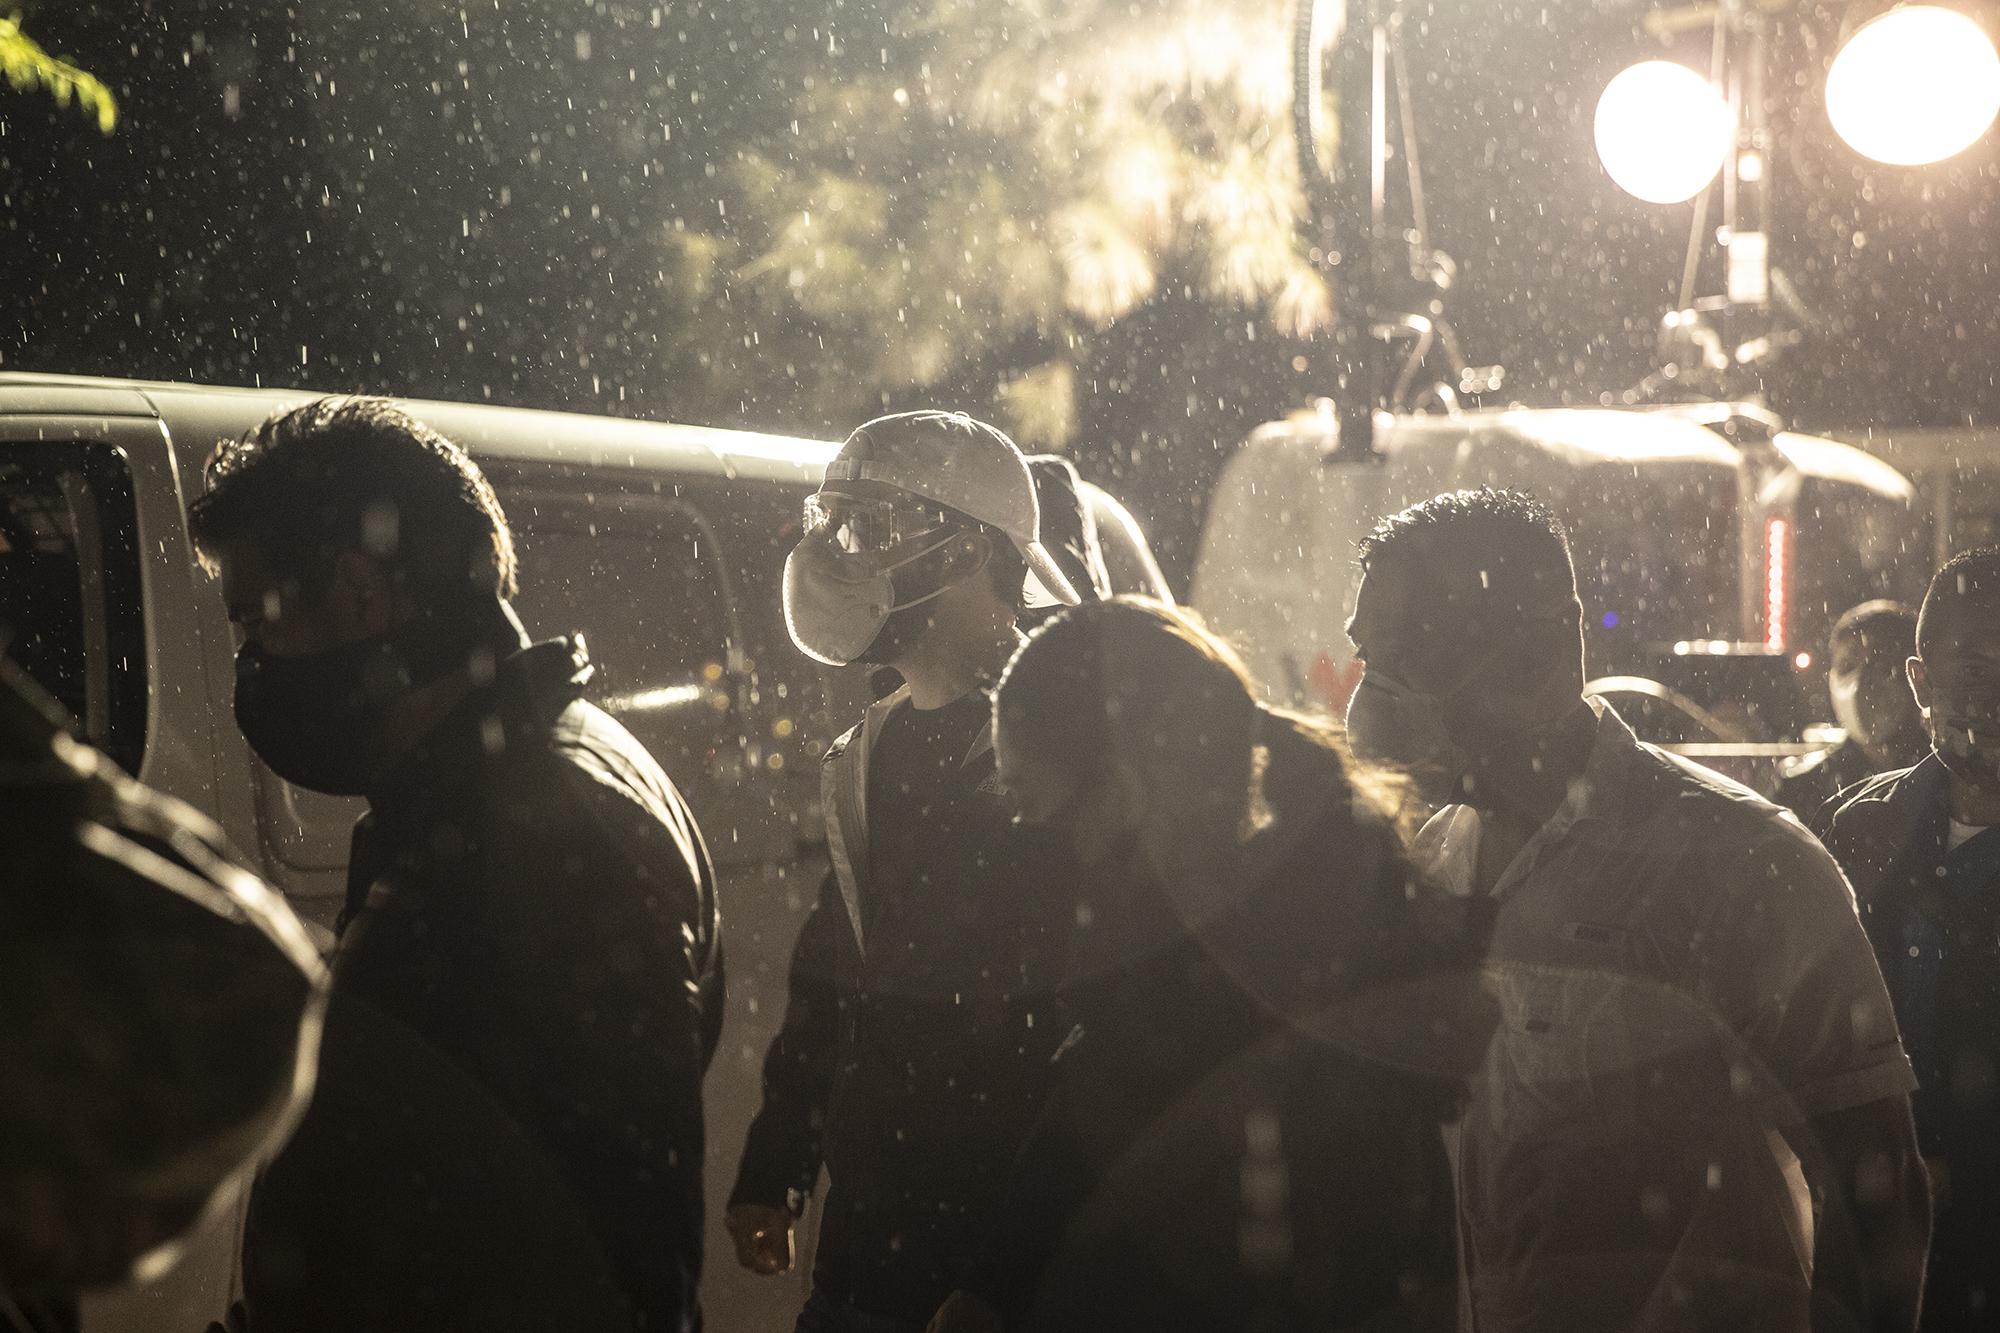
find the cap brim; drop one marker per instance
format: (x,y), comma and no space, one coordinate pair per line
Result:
(1046,584)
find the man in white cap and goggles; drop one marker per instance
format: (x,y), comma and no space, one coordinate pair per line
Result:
(921,1020)
(912,507)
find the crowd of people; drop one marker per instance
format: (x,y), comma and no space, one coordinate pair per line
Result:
(1128,1002)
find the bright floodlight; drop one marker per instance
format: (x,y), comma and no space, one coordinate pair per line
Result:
(1662,131)
(1914,85)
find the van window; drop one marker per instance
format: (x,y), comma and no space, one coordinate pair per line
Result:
(71,612)
(644,583)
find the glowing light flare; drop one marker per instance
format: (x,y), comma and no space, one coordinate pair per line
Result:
(1777,582)
(1141,177)
(1914,86)
(655,700)
(1662,131)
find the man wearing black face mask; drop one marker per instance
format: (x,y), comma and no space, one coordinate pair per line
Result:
(1922,849)
(1871,699)
(508,1131)
(917,1037)
(1690,1019)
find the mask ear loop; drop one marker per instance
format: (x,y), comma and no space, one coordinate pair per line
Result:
(934,547)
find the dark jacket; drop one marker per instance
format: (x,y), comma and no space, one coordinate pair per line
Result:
(508,1133)
(1215,1155)
(1933,915)
(1817,779)
(158,1008)
(912,1069)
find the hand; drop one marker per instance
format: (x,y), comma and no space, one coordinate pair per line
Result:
(963,1312)
(763,1237)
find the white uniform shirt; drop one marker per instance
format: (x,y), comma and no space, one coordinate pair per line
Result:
(1680,979)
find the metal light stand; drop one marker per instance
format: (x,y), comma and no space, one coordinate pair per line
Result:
(1347,234)
(1718,344)
(1342,234)
(1746,204)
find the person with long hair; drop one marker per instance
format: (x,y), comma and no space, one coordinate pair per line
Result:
(1245,1132)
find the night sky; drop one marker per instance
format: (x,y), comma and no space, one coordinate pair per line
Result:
(425,198)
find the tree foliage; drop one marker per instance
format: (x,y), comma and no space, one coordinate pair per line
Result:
(965,193)
(26,66)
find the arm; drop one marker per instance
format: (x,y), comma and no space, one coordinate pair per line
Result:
(1051,1179)
(781,1155)
(600,974)
(1873,1204)
(1821,1018)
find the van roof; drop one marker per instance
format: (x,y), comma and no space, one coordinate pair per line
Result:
(199,415)
(1585,436)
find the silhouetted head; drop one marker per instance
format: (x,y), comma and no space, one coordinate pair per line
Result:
(1470,632)
(1956,672)
(1867,680)
(1127,724)
(337,519)
(364,560)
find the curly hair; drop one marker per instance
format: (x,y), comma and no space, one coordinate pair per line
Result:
(357,473)
(1487,520)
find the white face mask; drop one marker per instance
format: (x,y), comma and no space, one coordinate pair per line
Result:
(1391,723)
(836,602)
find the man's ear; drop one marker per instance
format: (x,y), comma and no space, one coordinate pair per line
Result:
(1920,684)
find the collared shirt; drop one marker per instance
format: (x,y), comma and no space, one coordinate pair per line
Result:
(1680,977)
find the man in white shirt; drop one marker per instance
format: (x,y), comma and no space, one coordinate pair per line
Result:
(1690,1016)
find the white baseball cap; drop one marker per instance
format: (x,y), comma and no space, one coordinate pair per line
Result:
(966,465)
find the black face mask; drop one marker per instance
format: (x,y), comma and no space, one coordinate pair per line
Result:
(311,718)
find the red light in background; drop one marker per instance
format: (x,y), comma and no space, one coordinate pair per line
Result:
(1333,683)
(1777,582)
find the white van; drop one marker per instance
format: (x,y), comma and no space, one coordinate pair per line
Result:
(1713,550)
(663,544)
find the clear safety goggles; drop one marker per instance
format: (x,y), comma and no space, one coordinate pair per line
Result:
(863,527)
